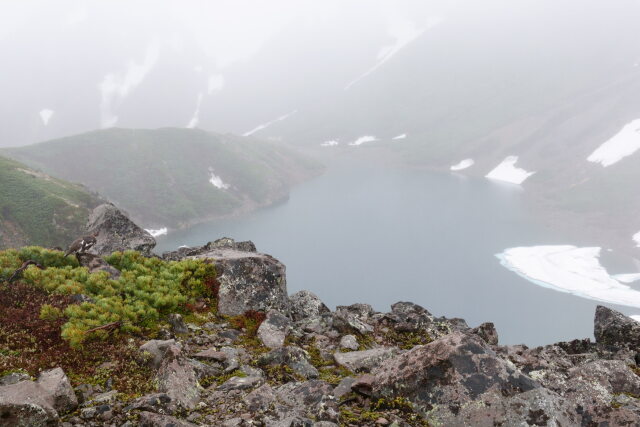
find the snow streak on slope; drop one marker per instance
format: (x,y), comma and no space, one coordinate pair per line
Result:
(267,124)
(570,269)
(216,181)
(363,139)
(508,172)
(636,238)
(403,32)
(45,115)
(330,143)
(196,114)
(463,164)
(401,136)
(623,144)
(115,87)
(155,233)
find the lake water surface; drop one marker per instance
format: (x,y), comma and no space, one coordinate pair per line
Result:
(380,235)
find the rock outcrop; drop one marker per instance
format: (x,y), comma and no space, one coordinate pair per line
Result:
(117,232)
(248,280)
(615,329)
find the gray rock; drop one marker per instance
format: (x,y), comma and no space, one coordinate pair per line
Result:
(307,396)
(240,383)
(353,318)
(349,342)
(13,378)
(156,402)
(211,355)
(453,370)
(260,399)
(344,387)
(149,419)
(107,398)
(487,331)
(157,350)
(177,324)
(178,379)
(117,232)
(204,370)
(23,404)
(57,385)
(615,329)
(364,384)
(274,329)
(366,360)
(248,280)
(94,264)
(291,356)
(305,304)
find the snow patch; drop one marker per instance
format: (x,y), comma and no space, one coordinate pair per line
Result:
(363,139)
(216,181)
(627,278)
(196,114)
(267,124)
(401,136)
(508,172)
(635,317)
(636,238)
(463,164)
(570,269)
(330,143)
(403,32)
(623,144)
(115,87)
(45,115)
(155,233)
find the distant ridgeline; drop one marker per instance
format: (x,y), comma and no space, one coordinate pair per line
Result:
(36,208)
(173,177)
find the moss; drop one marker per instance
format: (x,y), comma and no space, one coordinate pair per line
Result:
(220,379)
(333,375)
(280,374)
(365,341)
(315,357)
(408,340)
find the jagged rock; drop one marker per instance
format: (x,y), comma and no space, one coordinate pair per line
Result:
(106,398)
(344,387)
(274,329)
(157,350)
(291,356)
(155,402)
(211,354)
(204,370)
(240,383)
(307,398)
(353,318)
(363,384)
(305,304)
(248,280)
(94,264)
(349,342)
(149,419)
(58,387)
(260,399)
(408,317)
(614,328)
(177,324)
(487,331)
(450,371)
(232,361)
(365,360)
(13,378)
(178,379)
(117,232)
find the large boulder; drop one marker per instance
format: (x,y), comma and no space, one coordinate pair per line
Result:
(274,329)
(615,329)
(117,232)
(177,377)
(248,280)
(449,372)
(305,304)
(37,403)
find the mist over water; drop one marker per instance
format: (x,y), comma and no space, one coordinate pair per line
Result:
(379,235)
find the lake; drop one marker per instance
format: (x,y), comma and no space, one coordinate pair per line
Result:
(378,235)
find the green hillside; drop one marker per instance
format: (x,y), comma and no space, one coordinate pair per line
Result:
(38,209)
(162,177)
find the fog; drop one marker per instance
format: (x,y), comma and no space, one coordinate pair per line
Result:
(538,99)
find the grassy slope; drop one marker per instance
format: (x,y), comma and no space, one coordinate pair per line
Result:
(38,209)
(161,177)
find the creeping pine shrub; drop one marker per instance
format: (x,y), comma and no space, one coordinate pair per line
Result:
(148,289)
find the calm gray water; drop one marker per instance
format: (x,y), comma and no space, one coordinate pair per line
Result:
(381,235)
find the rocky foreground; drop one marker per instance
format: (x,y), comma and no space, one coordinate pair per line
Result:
(269,359)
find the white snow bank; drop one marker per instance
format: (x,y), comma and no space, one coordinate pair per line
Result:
(401,136)
(115,87)
(196,114)
(627,278)
(508,172)
(155,233)
(623,144)
(570,269)
(330,143)
(636,238)
(269,123)
(463,164)
(45,115)
(364,139)
(635,317)
(216,181)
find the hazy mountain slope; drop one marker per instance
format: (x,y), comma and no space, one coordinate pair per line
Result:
(36,209)
(170,177)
